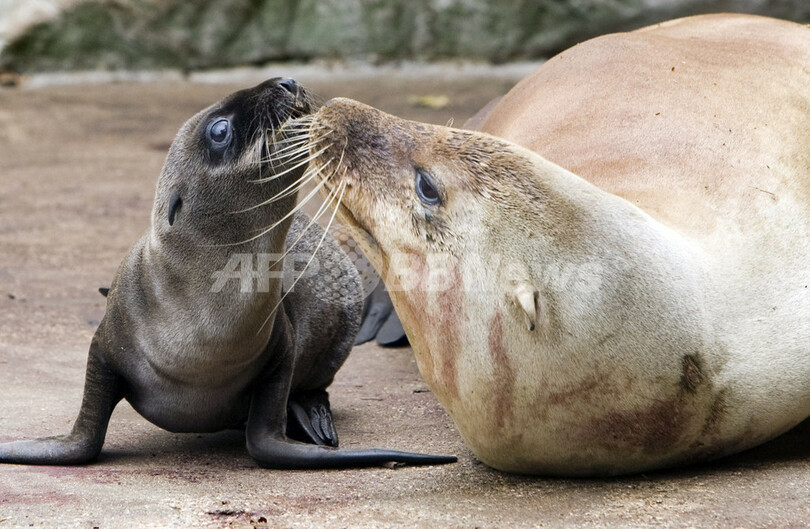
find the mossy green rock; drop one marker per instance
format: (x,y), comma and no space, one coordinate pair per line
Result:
(148,34)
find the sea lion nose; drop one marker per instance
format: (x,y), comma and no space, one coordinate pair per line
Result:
(289,85)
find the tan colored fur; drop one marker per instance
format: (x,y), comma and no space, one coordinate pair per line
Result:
(670,277)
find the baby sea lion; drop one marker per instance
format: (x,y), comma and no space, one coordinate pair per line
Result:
(650,310)
(194,350)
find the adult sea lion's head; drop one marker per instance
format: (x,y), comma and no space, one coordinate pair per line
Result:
(438,211)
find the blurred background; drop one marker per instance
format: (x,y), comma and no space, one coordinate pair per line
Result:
(48,35)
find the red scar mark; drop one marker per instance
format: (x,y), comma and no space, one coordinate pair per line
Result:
(451,309)
(504,374)
(438,325)
(655,428)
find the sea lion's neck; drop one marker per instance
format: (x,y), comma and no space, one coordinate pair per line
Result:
(606,266)
(212,302)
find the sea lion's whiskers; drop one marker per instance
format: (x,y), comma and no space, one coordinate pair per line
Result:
(288,170)
(291,152)
(296,186)
(318,214)
(251,126)
(278,161)
(342,188)
(294,139)
(278,222)
(254,156)
(272,134)
(289,190)
(299,129)
(297,123)
(294,167)
(286,135)
(293,188)
(261,147)
(339,165)
(291,125)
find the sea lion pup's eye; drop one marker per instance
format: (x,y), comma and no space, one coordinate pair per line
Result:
(219,131)
(426,189)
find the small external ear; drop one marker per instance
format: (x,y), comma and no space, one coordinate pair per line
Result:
(526,297)
(104,291)
(175,204)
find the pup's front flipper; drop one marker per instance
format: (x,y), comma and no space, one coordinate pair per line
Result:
(265,433)
(102,391)
(310,418)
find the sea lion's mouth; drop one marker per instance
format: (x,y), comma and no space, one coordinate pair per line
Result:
(323,148)
(286,103)
(280,112)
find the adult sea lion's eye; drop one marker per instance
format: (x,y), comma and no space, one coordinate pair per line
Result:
(219,131)
(425,189)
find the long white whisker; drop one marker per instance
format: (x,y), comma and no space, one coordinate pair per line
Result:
(323,237)
(296,166)
(291,156)
(282,219)
(321,210)
(282,173)
(300,141)
(290,190)
(301,182)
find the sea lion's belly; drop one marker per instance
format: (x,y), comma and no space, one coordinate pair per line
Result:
(181,395)
(190,408)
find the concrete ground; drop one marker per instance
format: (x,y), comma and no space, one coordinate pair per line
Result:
(77,171)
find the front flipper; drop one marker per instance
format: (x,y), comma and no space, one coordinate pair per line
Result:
(392,334)
(267,441)
(377,308)
(102,391)
(380,321)
(309,418)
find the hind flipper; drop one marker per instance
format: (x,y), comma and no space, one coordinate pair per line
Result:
(267,440)
(309,418)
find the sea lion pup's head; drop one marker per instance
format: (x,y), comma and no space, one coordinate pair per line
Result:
(209,180)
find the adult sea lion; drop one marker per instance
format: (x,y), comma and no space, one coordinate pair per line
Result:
(650,308)
(193,351)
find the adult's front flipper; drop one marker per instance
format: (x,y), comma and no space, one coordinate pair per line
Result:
(380,321)
(392,334)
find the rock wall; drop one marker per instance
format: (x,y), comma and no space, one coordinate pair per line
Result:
(149,34)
